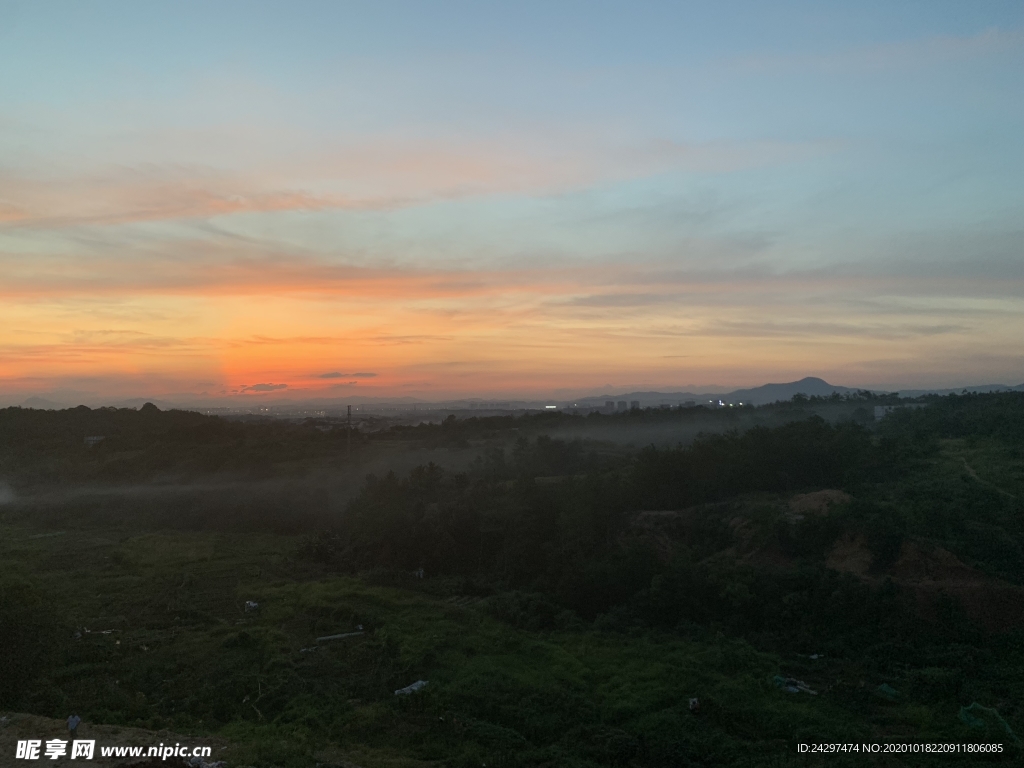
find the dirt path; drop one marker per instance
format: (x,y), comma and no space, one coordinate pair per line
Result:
(986,483)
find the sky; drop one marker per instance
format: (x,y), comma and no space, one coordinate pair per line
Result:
(258,200)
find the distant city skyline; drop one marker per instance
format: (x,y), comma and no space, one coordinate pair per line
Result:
(518,200)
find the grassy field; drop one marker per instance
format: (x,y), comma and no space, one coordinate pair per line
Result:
(577,596)
(154,635)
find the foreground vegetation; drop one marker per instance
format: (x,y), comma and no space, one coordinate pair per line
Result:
(574,595)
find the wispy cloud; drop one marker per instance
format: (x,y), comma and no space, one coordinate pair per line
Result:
(216,270)
(904,54)
(808,328)
(366,175)
(153,194)
(337,375)
(263,387)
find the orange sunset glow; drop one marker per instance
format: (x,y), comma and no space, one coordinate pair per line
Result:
(266,223)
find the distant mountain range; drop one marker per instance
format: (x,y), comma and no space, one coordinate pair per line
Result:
(770,393)
(137,402)
(766,393)
(42,404)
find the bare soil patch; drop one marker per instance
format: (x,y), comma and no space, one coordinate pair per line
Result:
(851,555)
(932,572)
(818,502)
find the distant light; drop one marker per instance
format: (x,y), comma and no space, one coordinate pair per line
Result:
(550,407)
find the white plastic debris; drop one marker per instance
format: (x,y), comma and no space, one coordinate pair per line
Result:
(328,638)
(792,685)
(411,688)
(251,605)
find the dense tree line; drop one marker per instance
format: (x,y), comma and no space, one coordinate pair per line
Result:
(554,521)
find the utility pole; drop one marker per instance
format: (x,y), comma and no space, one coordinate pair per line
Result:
(348,435)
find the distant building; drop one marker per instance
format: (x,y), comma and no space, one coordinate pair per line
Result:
(665,406)
(688,404)
(622,405)
(634,404)
(609,404)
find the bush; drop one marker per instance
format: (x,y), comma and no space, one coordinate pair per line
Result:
(28,636)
